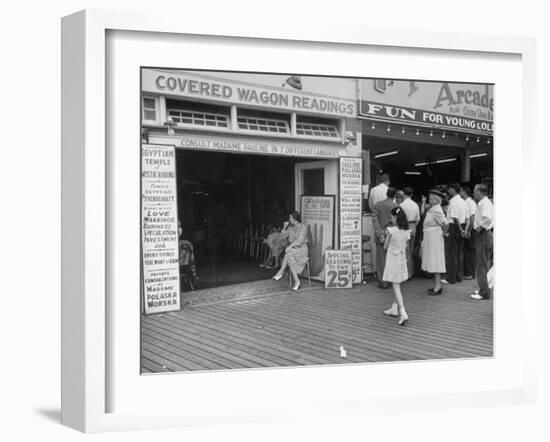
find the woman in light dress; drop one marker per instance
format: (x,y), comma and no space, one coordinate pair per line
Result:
(395,270)
(433,242)
(296,254)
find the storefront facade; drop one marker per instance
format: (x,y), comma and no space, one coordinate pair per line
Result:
(435,131)
(239,150)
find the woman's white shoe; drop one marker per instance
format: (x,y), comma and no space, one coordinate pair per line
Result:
(403,319)
(296,287)
(277,277)
(392,311)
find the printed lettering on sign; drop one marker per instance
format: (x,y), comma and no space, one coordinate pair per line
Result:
(351,185)
(159,229)
(338,269)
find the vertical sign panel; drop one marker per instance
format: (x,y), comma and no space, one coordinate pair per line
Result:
(318,216)
(350,211)
(161,279)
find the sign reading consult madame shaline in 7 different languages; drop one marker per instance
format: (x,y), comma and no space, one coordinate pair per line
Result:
(205,88)
(161,278)
(350,211)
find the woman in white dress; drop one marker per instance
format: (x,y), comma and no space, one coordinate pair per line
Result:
(395,270)
(433,242)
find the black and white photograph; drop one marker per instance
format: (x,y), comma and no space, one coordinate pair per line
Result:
(292,220)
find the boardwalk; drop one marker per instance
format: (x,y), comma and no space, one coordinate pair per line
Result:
(277,327)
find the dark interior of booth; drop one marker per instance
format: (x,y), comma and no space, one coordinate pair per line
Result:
(227,203)
(424,166)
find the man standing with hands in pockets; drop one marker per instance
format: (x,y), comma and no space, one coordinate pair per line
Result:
(483,225)
(456,216)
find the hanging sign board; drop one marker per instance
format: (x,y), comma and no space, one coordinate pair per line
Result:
(159,229)
(318,216)
(454,106)
(351,187)
(338,269)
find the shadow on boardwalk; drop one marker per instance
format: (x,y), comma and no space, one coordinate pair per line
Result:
(264,324)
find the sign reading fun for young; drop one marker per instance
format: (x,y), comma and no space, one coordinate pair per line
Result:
(458,106)
(204,88)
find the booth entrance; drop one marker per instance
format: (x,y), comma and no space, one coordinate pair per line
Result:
(228,202)
(426,163)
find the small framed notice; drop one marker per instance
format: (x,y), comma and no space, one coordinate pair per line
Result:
(338,269)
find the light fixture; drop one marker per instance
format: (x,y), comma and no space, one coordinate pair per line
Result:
(446,160)
(443,135)
(294,81)
(170,124)
(413,173)
(386,154)
(467,138)
(425,163)
(477,140)
(479,155)
(417,132)
(403,130)
(488,140)
(431,133)
(389,128)
(373,126)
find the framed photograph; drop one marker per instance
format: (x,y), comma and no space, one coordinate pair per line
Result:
(197,157)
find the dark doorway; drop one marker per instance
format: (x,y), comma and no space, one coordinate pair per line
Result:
(226,205)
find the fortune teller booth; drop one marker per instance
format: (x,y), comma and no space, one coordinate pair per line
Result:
(229,156)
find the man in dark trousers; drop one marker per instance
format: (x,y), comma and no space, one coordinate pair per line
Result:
(456,214)
(381,219)
(483,224)
(469,240)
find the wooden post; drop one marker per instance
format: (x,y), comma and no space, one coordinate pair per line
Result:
(234,122)
(465,172)
(163,112)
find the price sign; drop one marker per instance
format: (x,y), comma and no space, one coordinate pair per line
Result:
(338,269)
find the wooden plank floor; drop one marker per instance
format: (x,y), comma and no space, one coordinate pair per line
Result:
(308,327)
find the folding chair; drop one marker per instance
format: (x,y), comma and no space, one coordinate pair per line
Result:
(308,274)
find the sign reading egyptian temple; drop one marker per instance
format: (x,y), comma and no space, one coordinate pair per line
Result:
(159,229)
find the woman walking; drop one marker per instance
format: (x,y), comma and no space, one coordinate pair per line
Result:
(433,243)
(296,254)
(395,270)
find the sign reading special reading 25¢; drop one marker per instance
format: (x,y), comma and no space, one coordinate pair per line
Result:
(338,269)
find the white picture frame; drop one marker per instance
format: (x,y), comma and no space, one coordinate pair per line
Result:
(86,315)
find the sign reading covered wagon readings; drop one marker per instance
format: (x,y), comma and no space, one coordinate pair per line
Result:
(159,229)
(454,106)
(200,87)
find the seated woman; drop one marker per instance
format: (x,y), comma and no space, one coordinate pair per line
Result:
(296,254)
(276,243)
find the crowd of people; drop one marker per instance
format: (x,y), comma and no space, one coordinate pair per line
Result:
(450,235)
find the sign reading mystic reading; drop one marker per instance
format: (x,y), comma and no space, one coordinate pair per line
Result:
(161,279)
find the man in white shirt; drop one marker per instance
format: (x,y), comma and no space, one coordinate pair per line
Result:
(456,214)
(379,193)
(469,240)
(483,224)
(412,211)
